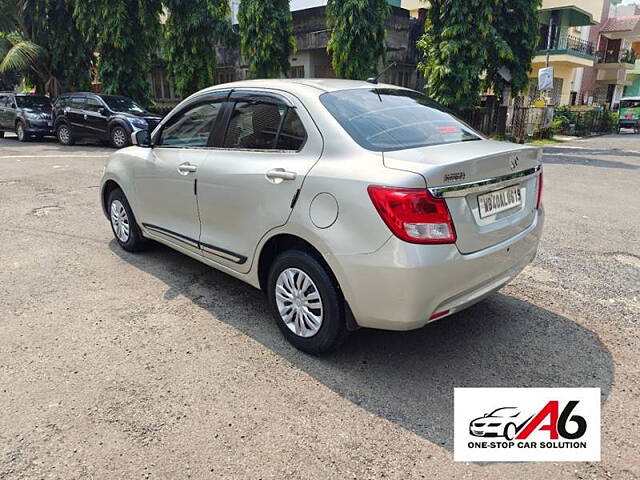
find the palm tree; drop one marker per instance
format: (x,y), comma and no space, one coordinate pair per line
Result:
(32,33)
(20,54)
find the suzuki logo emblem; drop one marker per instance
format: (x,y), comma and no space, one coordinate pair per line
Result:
(514,162)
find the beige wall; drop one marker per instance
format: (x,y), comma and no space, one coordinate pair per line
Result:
(563,71)
(592,7)
(414,5)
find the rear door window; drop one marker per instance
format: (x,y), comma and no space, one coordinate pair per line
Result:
(78,103)
(387,119)
(253,126)
(264,125)
(292,135)
(93,105)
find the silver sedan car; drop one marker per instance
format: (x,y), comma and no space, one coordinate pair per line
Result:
(350,204)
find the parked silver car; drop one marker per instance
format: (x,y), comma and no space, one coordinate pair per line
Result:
(350,204)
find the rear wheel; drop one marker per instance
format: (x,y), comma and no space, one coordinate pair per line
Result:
(306,303)
(21,133)
(119,138)
(123,223)
(63,133)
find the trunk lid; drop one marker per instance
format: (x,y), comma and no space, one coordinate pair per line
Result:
(474,169)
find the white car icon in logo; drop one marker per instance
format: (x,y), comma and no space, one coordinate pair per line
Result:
(504,422)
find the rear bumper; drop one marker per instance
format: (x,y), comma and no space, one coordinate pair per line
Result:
(400,286)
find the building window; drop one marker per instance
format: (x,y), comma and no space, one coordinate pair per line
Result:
(225,75)
(297,72)
(400,77)
(161,86)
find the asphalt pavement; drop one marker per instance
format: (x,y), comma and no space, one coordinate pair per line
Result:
(114,365)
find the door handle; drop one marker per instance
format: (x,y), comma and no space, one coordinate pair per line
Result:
(281,174)
(186,168)
(85,116)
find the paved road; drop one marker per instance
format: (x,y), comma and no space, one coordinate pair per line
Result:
(154,366)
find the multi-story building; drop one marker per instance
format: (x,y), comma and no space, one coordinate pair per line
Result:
(565,44)
(617,45)
(616,57)
(311,58)
(414,6)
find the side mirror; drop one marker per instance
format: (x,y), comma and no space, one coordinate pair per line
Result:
(103,111)
(141,138)
(14,106)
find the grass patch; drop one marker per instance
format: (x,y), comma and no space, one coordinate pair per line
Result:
(541,142)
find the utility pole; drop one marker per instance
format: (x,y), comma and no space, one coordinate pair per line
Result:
(549,38)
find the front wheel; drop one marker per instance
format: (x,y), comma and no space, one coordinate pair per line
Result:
(21,133)
(63,133)
(119,137)
(123,223)
(306,303)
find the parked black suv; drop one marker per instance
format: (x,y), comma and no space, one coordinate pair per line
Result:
(27,115)
(105,117)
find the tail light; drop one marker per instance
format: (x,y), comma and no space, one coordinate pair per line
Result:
(540,185)
(413,214)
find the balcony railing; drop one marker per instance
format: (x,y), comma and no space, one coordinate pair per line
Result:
(568,43)
(616,56)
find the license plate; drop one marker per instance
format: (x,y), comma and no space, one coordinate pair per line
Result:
(495,202)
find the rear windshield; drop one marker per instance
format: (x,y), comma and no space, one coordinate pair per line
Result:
(386,119)
(33,101)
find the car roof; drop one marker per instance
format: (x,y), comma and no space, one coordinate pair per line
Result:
(320,85)
(19,94)
(72,94)
(630,98)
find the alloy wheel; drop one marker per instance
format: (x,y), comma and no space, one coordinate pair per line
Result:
(299,303)
(20,132)
(120,221)
(64,135)
(119,138)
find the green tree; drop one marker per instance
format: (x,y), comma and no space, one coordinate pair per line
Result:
(266,37)
(192,31)
(127,36)
(39,39)
(459,36)
(517,23)
(357,38)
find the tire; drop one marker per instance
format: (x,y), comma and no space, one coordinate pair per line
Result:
(23,136)
(510,431)
(64,136)
(119,137)
(290,272)
(123,224)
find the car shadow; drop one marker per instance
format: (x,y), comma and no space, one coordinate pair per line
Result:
(587,157)
(407,377)
(83,142)
(612,152)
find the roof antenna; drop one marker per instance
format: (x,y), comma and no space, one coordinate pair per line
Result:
(375,79)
